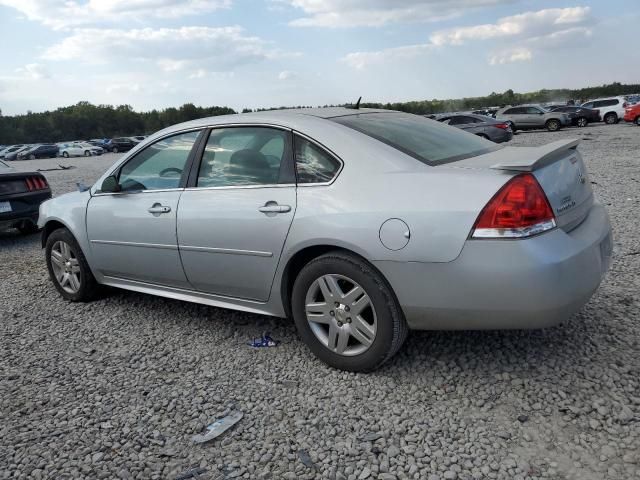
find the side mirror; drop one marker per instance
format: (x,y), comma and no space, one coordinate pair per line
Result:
(110,185)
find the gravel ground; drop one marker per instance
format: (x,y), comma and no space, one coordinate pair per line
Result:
(117,388)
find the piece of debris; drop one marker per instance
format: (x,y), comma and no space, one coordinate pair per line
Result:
(264,341)
(191,473)
(523,418)
(218,427)
(60,167)
(306,459)
(371,437)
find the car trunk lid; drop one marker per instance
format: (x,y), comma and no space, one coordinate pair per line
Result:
(559,169)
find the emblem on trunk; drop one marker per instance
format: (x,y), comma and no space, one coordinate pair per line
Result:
(581,178)
(567,203)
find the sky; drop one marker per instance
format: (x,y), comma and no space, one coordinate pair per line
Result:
(268,53)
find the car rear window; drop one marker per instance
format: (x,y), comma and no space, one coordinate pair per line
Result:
(426,140)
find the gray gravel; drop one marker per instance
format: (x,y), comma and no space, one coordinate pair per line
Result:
(117,388)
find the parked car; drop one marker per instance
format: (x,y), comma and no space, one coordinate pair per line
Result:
(579,116)
(632,114)
(120,144)
(480,125)
(79,149)
(611,109)
(98,142)
(46,150)
(20,197)
(525,117)
(358,224)
(13,155)
(138,138)
(10,149)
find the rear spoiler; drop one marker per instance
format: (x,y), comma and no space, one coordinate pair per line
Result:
(544,155)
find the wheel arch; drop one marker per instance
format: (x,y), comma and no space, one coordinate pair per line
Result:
(299,259)
(49,228)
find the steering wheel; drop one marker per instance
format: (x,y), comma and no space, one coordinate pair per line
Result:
(166,171)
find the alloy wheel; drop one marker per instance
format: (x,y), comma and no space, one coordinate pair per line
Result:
(341,314)
(582,122)
(66,267)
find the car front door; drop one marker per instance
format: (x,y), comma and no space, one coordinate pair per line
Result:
(235,215)
(534,117)
(132,232)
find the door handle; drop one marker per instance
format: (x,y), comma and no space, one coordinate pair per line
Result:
(274,208)
(157,209)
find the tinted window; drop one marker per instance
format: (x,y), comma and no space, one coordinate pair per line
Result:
(463,120)
(313,164)
(244,156)
(588,105)
(158,166)
(516,111)
(430,142)
(533,111)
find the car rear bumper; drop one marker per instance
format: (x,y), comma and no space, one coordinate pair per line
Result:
(24,207)
(506,284)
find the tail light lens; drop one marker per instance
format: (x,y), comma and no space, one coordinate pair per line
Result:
(520,209)
(36,183)
(503,126)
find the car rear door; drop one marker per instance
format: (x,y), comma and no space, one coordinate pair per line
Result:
(132,232)
(235,215)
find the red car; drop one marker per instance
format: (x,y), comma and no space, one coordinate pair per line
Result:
(632,114)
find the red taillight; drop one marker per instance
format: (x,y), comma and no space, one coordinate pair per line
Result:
(504,126)
(36,183)
(520,209)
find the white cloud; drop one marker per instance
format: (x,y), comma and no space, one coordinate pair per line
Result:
(511,56)
(123,87)
(287,75)
(528,32)
(542,22)
(65,13)
(362,60)
(375,13)
(172,49)
(33,71)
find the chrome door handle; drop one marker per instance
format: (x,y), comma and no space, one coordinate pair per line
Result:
(275,208)
(157,209)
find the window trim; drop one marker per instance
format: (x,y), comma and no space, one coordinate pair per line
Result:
(288,162)
(324,149)
(185,173)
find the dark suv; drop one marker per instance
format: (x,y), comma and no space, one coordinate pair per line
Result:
(120,144)
(579,116)
(46,150)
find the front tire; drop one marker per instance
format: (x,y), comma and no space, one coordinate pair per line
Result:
(553,125)
(87,153)
(32,157)
(582,122)
(637,121)
(65,154)
(114,150)
(610,118)
(68,267)
(346,313)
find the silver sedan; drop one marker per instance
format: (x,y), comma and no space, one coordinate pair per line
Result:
(358,224)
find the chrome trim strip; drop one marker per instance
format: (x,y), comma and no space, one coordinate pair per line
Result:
(236,187)
(135,192)
(136,244)
(232,251)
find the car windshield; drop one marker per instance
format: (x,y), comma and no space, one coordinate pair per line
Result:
(429,141)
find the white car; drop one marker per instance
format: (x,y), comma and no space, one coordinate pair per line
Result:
(77,149)
(611,109)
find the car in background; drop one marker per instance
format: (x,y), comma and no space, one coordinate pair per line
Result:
(611,109)
(98,142)
(13,155)
(119,144)
(579,116)
(77,149)
(479,125)
(292,213)
(45,150)
(632,114)
(526,117)
(10,149)
(138,138)
(20,197)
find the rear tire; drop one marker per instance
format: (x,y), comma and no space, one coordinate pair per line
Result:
(553,125)
(87,153)
(114,150)
(65,154)
(67,261)
(381,319)
(610,118)
(32,157)
(637,120)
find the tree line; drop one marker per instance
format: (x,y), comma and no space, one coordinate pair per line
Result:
(86,121)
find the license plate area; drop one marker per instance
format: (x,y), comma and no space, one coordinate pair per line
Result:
(5,207)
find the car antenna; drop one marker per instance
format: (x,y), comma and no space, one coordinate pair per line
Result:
(357,107)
